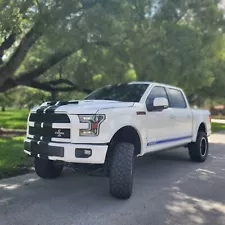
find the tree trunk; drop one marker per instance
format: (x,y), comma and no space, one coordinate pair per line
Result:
(53,95)
(3,108)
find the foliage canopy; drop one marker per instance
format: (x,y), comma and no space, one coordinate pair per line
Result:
(79,45)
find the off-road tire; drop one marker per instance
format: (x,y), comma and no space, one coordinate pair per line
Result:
(198,151)
(47,169)
(121,170)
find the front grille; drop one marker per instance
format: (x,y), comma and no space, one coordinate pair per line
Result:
(42,127)
(48,132)
(49,118)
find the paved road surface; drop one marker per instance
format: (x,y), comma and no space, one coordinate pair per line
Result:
(169,189)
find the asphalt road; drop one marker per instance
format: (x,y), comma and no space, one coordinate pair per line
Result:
(169,189)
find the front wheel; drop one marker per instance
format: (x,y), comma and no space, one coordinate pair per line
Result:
(47,169)
(121,171)
(199,150)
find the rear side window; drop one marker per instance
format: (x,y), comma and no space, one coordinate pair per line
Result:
(176,99)
(156,92)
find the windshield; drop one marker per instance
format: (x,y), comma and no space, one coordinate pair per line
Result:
(119,92)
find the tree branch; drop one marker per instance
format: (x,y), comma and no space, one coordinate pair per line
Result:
(102,43)
(10,67)
(46,87)
(26,77)
(89,4)
(60,81)
(7,43)
(39,6)
(11,39)
(50,62)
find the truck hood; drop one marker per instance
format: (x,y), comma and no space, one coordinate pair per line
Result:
(86,106)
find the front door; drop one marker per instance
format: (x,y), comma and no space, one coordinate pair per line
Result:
(160,124)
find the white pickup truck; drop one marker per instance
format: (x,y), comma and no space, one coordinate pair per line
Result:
(112,126)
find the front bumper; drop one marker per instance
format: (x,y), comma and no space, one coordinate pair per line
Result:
(67,152)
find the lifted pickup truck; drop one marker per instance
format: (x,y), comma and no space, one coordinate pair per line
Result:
(112,126)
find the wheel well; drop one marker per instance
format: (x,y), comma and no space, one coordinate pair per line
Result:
(127,134)
(202,127)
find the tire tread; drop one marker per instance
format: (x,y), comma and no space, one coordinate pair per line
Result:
(46,168)
(121,171)
(194,148)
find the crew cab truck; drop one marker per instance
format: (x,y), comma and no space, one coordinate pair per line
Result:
(112,126)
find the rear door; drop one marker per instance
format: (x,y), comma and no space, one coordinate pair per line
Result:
(182,116)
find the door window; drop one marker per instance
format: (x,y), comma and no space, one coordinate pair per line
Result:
(176,99)
(156,92)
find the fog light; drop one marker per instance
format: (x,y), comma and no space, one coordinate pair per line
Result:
(83,153)
(87,152)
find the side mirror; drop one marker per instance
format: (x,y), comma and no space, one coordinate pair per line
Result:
(160,104)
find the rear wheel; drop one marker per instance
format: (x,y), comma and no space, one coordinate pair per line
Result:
(121,170)
(47,169)
(199,150)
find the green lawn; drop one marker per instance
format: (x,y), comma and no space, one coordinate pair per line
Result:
(13,160)
(217,127)
(14,118)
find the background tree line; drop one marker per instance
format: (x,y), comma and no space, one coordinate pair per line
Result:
(57,49)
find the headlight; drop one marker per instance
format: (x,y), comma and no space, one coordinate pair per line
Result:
(94,122)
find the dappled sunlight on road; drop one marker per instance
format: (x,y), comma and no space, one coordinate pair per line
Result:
(14,184)
(11,187)
(198,197)
(194,208)
(11,184)
(4,200)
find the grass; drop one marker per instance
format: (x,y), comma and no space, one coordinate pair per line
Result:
(13,160)
(14,118)
(217,127)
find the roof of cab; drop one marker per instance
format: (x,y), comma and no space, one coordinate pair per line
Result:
(140,82)
(154,83)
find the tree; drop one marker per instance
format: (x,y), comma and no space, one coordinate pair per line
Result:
(4,101)
(81,45)
(26,26)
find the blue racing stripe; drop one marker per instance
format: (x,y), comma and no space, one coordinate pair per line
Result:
(168,140)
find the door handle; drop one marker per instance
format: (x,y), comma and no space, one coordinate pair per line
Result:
(172,116)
